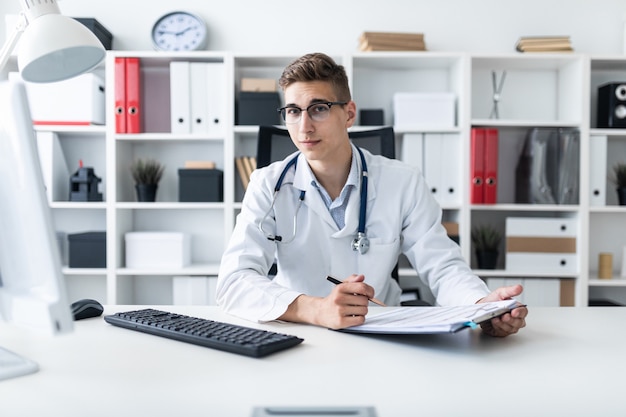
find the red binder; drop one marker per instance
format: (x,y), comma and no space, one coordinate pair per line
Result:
(133,96)
(477,165)
(120,95)
(491,166)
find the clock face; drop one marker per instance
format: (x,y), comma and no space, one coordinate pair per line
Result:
(179,31)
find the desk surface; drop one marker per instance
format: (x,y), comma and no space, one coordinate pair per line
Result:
(566,362)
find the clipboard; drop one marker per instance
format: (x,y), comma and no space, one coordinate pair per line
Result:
(430,320)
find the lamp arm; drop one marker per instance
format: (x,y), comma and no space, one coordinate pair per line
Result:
(8,46)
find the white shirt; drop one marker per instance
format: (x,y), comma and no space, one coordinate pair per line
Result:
(402,217)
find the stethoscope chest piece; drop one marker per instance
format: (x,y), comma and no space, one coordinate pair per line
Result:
(361,243)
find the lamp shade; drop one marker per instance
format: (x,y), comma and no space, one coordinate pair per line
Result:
(56,47)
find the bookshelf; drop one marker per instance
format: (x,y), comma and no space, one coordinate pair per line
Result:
(541,90)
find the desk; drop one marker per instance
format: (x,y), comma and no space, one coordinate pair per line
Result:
(567,362)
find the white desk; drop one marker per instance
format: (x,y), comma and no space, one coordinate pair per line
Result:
(566,362)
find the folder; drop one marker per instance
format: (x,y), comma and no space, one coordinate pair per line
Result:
(120,95)
(216,93)
(490,187)
(431,320)
(180,104)
(450,168)
(433,157)
(133,95)
(598,171)
(477,165)
(199,97)
(413,150)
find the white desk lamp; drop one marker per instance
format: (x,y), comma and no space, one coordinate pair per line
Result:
(53,47)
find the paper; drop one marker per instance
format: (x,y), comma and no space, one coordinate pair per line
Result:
(416,320)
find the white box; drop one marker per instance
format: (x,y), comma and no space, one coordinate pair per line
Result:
(421,110)
(77,101)
(157,249)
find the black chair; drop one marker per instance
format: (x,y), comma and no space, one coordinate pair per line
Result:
(274,143)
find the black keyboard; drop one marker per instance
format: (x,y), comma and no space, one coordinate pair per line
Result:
(213,334)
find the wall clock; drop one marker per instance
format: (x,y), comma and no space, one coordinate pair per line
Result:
(179,31)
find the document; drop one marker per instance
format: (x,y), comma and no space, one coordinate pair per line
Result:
(430,320)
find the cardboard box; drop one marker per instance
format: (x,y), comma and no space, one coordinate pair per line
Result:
(157,249)
(258,84)
(77,101)
(200,185)
(424,110)
(87,250)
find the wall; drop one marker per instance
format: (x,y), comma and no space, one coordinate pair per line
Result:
(478,26)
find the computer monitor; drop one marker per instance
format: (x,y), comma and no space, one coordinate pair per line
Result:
(32,287)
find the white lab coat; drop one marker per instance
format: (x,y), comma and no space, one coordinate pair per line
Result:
(402,217)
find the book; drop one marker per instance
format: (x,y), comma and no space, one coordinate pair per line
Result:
(544,44)
(391,41)
(430,320)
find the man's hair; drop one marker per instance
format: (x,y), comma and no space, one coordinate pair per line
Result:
(317,67)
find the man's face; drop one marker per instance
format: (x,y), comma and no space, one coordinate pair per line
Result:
(326,140)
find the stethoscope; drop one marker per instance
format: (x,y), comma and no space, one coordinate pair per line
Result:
(360,243)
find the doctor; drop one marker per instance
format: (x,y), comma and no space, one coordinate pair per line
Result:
(334,209)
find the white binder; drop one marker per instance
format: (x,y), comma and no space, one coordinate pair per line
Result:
(180,97)
(216,93)
(413,150)
(450,169)
(597,170)
(199,98)
(433,163)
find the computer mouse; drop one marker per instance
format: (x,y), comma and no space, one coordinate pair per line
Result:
(86,308)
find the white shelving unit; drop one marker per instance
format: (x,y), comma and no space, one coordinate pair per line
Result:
(540,90)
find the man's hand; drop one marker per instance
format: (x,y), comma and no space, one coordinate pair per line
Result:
(508,323)
(345,306)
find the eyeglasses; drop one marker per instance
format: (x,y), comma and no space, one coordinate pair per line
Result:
(318,112)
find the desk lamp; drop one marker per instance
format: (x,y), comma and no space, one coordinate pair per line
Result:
(53,47)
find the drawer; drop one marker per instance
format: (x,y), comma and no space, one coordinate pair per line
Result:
(541,262)
(527,226)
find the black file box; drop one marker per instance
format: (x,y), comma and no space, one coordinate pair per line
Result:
(103,35)
(200,185)
(87,250)
(258,108)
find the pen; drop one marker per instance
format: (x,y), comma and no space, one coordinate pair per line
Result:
(373,300)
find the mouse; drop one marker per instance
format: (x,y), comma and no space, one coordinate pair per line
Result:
(86,308)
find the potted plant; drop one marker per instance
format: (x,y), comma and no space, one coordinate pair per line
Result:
(147,174)
(618,178)
(486,240)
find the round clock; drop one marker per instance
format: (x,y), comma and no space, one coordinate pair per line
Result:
(179,31)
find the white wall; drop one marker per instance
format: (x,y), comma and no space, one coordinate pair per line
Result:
(595,26)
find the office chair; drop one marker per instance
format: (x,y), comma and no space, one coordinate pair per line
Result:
(274,144)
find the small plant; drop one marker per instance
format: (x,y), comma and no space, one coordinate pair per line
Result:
(486,238)
(619,175)
(149,171)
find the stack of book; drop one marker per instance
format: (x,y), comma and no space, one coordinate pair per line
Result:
(391,41)
(544,44)
(245,165)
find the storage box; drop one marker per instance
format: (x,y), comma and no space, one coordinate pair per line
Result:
(157,249)
(87,250)
(420,110)
(258,108)
(200,185)
(77,101)
(541,245)
(103,35)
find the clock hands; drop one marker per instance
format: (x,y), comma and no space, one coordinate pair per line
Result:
(180,33)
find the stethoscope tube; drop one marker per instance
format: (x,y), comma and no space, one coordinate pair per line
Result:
(360,242)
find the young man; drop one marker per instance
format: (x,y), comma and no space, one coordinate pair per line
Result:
(309,225)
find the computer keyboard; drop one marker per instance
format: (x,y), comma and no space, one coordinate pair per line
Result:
(213,334)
